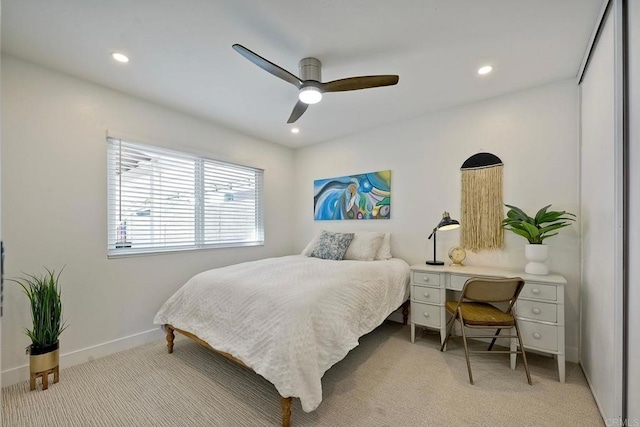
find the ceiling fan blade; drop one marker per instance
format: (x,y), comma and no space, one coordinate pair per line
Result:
(362,82)
(268,66)
(298,111)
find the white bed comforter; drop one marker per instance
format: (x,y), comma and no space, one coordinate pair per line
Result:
(289,318)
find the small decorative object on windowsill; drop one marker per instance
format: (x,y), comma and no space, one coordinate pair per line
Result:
(121,231)
(46,312)
(535,230)
(446,223)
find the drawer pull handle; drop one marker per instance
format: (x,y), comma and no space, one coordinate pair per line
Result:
(536,335)
(426,314)
(425,278)
(535,291)
(426,294)
(535,310)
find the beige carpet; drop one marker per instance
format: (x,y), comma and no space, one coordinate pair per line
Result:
(386,381)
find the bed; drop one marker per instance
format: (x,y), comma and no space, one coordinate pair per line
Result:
(288,318)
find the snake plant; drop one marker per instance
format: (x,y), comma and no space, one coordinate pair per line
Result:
(536,229)
(46,307)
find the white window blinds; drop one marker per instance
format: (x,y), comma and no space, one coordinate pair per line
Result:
(163,200)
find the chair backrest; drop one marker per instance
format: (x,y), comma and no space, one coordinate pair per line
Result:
(492,290)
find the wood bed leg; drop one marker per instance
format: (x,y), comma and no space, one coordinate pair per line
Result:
(286,411)
(170,337)
(405,312)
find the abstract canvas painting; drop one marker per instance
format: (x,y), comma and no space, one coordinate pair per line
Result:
(363,196)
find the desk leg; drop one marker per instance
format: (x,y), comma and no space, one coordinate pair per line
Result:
(561,367)
(443,324)
(413,332)
(513,347)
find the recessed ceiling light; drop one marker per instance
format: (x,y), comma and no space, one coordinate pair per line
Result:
(295,130)
(120,57)
(485,70)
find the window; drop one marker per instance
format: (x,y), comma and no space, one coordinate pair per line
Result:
(161,200)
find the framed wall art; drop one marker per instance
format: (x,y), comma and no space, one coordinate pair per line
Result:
(362,196)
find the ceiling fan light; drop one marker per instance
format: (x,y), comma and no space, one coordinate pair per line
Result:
(310,95)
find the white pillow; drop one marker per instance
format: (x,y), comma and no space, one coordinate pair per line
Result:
(364,246)
(312,244)
(385,248)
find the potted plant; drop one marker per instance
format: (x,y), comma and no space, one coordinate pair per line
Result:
(536,229)
(46,312)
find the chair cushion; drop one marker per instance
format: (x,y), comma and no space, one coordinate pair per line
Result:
(481,314)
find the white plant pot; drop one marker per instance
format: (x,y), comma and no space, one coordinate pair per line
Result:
(536,255)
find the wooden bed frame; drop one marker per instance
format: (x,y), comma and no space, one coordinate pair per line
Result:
(285,402)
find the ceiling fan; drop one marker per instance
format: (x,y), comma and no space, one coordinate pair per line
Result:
(309,84)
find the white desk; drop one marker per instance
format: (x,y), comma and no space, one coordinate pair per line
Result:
(540,306)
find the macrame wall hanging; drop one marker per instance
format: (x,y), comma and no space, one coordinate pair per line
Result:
(482,208)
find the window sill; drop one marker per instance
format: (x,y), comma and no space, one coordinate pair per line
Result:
(127,253)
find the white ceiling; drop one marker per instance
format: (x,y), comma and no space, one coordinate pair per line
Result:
(181,53)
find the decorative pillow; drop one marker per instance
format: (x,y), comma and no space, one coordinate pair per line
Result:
(385,248)
(312,244)
(364,246)
(332,245)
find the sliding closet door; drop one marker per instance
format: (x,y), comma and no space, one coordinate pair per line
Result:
(1,250)
(600,218)
(633,379)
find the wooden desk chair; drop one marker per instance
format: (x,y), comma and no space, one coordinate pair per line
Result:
(475,309)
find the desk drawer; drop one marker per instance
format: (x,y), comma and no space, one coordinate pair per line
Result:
(430,279)
(537,310)
(457,282)
(539,291)
(424,294)
(425,314)
(538,335)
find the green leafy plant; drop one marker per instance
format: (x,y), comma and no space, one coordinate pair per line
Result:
(536,229)
(46,307)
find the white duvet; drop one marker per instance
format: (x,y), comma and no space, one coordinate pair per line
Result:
(289,318)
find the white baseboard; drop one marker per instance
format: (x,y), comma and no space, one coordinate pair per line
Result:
(21,373)
(595,397)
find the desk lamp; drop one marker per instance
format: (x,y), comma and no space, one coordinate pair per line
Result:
(446,223)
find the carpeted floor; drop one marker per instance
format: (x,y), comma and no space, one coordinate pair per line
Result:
(385,381)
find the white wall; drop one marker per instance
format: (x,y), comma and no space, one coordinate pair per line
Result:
(55,214)
(534,132)
(598,354)
(633,396)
